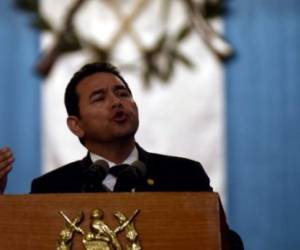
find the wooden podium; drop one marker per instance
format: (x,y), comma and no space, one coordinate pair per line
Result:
(167,221)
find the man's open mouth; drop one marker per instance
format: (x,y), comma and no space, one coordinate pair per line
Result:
(119,117)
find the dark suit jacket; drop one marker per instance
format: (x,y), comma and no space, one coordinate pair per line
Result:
(168,173)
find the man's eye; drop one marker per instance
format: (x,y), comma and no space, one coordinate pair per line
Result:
(97,99)
(123,93)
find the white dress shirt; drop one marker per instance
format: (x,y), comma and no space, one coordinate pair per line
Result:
(110,181)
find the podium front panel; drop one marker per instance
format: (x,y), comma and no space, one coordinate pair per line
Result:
(166,221)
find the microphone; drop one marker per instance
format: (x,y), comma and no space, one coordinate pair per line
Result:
(140,169)
(94,175)
(130,177)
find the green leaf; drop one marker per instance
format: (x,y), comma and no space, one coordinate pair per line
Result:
(41,23)
(183,59)
(69,42)
(27,5)
(183,33)
(102,54)
(160,42)
(146,77)
(214,8)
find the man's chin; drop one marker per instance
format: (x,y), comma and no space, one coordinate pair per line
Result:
(125,135)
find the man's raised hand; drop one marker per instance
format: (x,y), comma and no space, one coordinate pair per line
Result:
(6,161)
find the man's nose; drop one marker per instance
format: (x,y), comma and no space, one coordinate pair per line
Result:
(115,101)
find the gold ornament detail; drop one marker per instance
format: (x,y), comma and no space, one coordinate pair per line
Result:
(100,236)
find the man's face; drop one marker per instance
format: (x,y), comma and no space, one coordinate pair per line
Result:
(107,110)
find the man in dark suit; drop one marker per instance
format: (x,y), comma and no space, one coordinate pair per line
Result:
(104,116)
(163,173)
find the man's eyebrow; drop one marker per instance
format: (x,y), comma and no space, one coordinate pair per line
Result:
(118,87)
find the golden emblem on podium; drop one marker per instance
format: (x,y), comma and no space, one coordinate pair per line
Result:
(100,236)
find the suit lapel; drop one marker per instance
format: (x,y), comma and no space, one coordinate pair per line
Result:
(86,161)
(148,184)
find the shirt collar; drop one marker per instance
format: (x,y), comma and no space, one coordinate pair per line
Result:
(132,157)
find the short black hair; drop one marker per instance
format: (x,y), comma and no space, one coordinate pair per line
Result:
(71,96)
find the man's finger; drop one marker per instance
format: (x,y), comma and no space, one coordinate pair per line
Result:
(5,153)
(6,157)
(4,149)
(6,162)
(4,171)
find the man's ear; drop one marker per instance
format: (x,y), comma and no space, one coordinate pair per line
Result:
(74,125)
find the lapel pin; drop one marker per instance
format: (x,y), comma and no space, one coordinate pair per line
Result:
(150,182)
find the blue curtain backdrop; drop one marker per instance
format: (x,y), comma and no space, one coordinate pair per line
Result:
(263,115)
(19,95)
(263,122)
